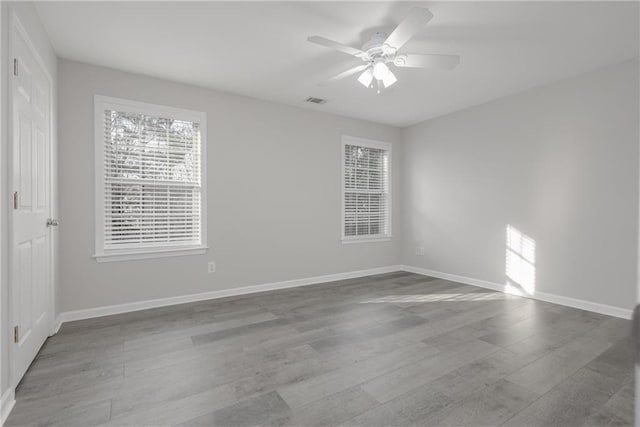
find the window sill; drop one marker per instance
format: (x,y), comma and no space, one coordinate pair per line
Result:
(150,254)
(366,240)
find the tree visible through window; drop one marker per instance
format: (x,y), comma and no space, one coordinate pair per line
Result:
(151,178)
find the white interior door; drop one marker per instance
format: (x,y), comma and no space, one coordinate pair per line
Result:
(30,235)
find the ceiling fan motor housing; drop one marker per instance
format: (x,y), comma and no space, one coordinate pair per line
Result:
(376,48)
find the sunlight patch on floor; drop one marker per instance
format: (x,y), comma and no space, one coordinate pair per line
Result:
(477,296)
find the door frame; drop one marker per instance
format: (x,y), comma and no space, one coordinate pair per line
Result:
(16,27)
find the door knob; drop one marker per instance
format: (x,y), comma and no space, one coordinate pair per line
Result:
(52,222)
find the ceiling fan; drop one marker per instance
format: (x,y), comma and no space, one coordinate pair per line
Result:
(382,51)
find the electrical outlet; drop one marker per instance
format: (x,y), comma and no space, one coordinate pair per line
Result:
(419,250)
(212,266)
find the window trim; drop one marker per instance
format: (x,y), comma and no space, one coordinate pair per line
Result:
(101,103)
(369,143)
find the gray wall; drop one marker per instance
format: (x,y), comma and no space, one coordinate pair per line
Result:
(29,18)
(274,194)
(559,163)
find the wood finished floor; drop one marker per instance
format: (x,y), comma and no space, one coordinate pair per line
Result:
(394,349)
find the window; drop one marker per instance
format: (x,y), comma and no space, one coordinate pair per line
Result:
(150,199)
(366,196)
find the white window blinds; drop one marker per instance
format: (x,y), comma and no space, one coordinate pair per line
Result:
(366,196)
(151,180)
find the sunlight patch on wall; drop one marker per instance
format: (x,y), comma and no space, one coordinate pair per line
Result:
(520,261)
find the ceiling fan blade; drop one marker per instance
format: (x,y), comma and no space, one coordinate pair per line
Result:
(415,20)
(416,60)
(348,73)
(337,46)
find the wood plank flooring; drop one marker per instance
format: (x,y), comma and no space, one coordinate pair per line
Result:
(394,349)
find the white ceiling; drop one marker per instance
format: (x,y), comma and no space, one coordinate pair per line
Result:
(260,49)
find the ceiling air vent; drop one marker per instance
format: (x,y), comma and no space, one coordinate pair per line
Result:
(313,100)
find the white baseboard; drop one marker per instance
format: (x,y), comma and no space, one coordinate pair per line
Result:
(6,404)
(162,302)
(609,310)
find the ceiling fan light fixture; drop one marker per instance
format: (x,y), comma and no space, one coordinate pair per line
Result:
(380,70)
(366,77)
(389,79)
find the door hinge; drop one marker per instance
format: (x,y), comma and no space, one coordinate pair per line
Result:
(15,66)
(16,334)
(15,200)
